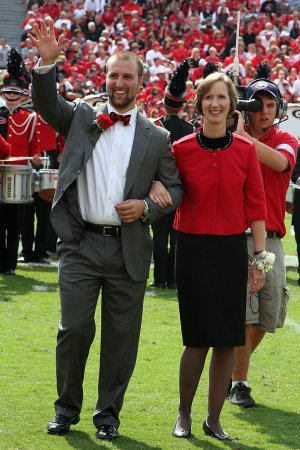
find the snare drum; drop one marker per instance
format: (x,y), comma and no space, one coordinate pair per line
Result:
(48,183)
(15,184)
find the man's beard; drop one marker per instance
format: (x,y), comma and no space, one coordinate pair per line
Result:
(120,103)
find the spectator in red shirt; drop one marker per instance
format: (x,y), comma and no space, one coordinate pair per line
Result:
(249,73)
(96,77)
(229,59)
(219,41)
(277,68)
(260,56)
(212,56)
(190,92)
(30,15)
(293,76)
(296,65)
(273,55)
(51,8)
(108,17)
(180,53)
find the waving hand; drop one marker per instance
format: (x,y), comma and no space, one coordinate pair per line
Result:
(48,47)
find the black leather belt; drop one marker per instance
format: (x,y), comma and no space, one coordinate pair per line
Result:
(269,234)
(105,230)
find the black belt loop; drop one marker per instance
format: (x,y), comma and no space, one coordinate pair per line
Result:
(105,230)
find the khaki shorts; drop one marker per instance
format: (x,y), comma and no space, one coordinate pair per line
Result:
(267,309)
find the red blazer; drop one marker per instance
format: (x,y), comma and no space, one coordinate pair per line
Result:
(222,189)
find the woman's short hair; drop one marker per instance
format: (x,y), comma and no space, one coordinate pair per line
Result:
(207,83)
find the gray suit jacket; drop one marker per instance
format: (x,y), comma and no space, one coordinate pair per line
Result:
(150,159)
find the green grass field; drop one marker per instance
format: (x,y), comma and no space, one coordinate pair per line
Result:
(29,308)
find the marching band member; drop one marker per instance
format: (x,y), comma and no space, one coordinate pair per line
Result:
(17,128)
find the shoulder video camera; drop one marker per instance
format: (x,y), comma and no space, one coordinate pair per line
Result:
(253,105)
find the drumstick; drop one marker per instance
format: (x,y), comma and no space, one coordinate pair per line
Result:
(23,158)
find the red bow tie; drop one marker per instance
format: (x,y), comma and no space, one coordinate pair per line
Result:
(118,117)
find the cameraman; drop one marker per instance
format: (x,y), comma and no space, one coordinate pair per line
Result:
(277,152)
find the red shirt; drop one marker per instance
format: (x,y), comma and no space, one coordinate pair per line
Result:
(222,189)
(214,59)
(276,183)
(52,11)
(180,54)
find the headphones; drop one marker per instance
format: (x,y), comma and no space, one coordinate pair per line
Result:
(263,84)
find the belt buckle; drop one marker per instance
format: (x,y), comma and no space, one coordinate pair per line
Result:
(105,228)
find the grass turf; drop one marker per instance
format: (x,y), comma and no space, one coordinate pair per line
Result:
(29,309)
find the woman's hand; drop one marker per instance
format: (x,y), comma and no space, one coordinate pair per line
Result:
(159,195)
(48,47)
(256,279)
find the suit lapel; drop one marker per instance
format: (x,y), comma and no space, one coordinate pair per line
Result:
(92,138)
(139,149)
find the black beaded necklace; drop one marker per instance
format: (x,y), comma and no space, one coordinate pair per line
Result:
(212,144)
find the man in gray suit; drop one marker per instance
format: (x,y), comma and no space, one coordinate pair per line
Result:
(101,214)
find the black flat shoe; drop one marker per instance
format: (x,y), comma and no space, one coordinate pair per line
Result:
(61,424)
(209,432)
(107,432)
(182,433)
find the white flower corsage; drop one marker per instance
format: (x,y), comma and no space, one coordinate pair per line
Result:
(264,261)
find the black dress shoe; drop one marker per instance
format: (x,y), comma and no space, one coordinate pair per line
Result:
(107,432)
(61,424)
(172,286)
(209,432)
(181,433)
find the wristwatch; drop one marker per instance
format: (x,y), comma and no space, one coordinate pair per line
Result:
(145,217)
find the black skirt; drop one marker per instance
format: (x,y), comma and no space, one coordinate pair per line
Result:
(211,275)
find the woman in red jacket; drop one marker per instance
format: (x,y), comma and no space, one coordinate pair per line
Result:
(222,196)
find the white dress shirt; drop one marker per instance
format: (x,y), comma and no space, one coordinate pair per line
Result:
(101,184)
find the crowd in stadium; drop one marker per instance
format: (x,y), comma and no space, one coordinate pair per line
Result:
(163,33)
